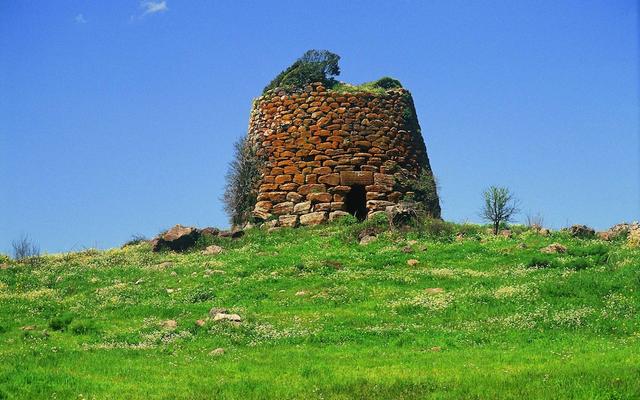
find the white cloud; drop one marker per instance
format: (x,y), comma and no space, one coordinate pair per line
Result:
(153,7)
(80,19)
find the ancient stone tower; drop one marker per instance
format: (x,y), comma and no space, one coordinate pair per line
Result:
(328,153)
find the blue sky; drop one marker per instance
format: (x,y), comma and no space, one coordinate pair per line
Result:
(118,117)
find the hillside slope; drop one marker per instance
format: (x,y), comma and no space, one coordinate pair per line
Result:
(325,317)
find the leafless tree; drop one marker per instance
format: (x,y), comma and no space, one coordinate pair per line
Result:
(534,220)
(500,205)
(24,247)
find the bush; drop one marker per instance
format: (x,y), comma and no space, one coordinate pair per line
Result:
(387,83)
(243,176)
(313,66)
(369,227)
(135,239)
(539,261)
(436,228)
(83,327)
(424,188)
(60,323)
(24,248)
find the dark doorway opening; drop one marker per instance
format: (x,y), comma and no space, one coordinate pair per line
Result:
(356,202)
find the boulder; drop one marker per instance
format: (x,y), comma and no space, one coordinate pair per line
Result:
(367,239)
(554,248)
(313,218)
(233,234)
(178,238)
(581,231)
(212,250)
(227,317)
(211,231)
(170,324)
(337,215)
(217,352)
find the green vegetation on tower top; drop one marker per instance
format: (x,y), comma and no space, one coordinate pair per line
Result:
(322,66)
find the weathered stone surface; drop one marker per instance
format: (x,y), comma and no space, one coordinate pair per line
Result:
(554,248)
(582,231)
(227,317)
(367,239)
(212,250)
(337,215)
(290,221)
(302,208)
(330,179)
(178,238)
(319,197)
(312,188)
(320,141)
(283,208)
(349,178)
(313,218)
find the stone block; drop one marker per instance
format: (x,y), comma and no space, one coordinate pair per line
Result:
(349,178)
(290,221)
(283,208)
(330,179)
(312,188)
(313,218)
(337,215)
(319,197)
(302,208)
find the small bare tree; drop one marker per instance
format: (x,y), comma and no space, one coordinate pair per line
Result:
(535,220)
(499,206)
(24,248)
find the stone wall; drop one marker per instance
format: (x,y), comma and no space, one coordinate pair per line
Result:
(325,151)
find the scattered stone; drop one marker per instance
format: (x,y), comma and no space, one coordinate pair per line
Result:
(233,234)
(407,249)
(412,242)
(178,238)
(434,290)
(212,250)
(217,352)
(227,317)
(459,237)
(210,231)
(173,273)
(412,262)
(302,293)
(139,281)
(170,291)
(554,248)
(28,328)
(170,324)
(4,266)
(273,229)
(200,322)
(403,213)
(506,233)
(217,310)
(582,231)
(367,239)
(436,348)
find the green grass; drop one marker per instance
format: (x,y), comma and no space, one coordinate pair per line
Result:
(503,327)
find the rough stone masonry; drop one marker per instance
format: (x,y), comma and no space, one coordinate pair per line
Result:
(329,153)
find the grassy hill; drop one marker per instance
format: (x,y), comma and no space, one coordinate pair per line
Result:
(325,317)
